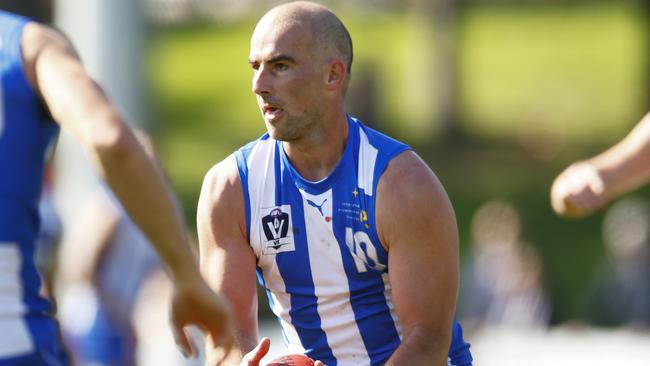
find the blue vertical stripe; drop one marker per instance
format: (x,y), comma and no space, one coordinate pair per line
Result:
(277,163)
(367,299)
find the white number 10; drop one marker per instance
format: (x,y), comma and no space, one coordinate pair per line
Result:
(364,255)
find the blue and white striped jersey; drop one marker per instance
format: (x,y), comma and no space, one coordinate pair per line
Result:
(318,253)
(26,131)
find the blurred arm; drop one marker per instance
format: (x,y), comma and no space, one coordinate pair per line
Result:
(80,106)
(91,237)
(227,261)
(423,258)
(586,186)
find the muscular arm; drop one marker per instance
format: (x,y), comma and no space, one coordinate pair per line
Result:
(423,258)
(227,261)
(80,106)
(588,185)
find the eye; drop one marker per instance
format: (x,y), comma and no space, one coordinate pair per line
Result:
(255,65)
(280,67)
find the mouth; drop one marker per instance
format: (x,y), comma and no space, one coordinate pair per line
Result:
(271,112)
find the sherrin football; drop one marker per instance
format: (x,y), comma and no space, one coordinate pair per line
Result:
(292,360)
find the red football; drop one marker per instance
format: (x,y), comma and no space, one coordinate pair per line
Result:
(292,360)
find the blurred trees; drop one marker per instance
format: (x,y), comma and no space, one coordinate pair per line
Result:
(442,31)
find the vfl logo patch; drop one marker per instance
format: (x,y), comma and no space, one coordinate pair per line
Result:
(277,229)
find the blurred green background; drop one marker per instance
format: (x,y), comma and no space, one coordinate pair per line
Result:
(498,97)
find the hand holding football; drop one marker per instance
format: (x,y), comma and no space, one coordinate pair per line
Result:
(292,360)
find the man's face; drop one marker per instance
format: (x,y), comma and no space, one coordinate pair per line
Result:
(288,79)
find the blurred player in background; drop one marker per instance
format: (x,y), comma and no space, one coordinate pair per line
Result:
(44,85)
(96,298)
(587,186)
(320,208)
(501,280)
(619,291)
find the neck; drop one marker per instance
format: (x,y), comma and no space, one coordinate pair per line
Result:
(317,155)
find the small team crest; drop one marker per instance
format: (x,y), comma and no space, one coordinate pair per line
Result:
(278,230)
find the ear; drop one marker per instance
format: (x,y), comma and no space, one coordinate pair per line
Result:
(337,74)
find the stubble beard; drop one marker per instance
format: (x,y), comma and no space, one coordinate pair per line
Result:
(293,128)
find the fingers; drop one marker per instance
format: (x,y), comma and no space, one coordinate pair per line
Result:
(578,191)
(182,340)
(196,304)
(216,356)
(217,325)
(220,330)
(255,356)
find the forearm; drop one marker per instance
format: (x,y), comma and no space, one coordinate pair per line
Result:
(244,343)
(422,347)
(625,166)
(139,184)
(83,110)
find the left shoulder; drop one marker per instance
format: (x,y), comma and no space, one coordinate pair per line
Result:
(410,198)
(408,174)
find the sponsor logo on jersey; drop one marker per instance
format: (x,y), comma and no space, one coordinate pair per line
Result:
(277,229)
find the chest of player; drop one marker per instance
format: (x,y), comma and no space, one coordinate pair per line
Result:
(313,236)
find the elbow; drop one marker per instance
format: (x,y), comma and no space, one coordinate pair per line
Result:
(111,140)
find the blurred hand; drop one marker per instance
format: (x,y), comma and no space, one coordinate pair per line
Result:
(578,191)
(318,363)
(193,303)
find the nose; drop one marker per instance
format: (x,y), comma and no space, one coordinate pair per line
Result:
(261,81)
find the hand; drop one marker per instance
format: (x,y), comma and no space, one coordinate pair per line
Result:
(193,303)
(318,363)
(254,357)
(578,191)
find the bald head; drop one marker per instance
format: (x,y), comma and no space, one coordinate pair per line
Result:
(329,35)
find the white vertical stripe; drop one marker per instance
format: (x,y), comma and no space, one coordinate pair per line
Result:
(14,333)
(261,187)
(331,284)
(281,307)
(261,194)
(367,158)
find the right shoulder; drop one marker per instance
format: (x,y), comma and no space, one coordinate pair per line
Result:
(39,38)
(222,179)
(37,35)
(222,196)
